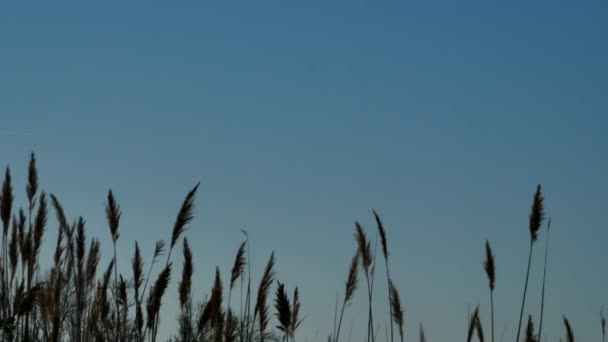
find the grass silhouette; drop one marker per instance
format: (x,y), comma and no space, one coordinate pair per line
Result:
(69,301)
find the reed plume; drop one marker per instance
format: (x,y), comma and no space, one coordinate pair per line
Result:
(137,265)
(397,309)
(295,313)
(231,329)
(184,217)
(603,321)
(92,262)
(237,270)
(239,265)
(212,312)
(155,296)
(422,334)
(32,180)
(186,283)
(39,227)
(113,214)
(364,247)
(489,267)
(283,310)
(13,248)
(569,333)
(537,214)
(261,308)
(383,242)
(530,337)
(6,203)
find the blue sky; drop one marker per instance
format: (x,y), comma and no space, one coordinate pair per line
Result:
(299,118)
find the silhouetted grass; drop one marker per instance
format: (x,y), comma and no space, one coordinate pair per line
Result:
(69,301)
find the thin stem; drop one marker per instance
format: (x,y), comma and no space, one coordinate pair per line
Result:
(116,292)
(388,278)
(492,311)
(340,321)
(523,301)
(542,301)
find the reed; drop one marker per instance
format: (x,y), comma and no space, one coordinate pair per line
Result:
(384,244)
(68,300)
(542,300)
(489,267)
(364,247)
(349,290)
(603,322)
(397,310)
(537,215)
(569,333)
(530,336)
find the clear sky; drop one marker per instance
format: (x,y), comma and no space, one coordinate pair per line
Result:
(300,117)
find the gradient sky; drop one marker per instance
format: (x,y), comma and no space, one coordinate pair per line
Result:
(300,117)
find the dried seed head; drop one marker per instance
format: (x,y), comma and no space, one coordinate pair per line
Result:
(185,215)
(537,213)
(6,200)
(32,180)
(382,234)
(489,266)
(113,215)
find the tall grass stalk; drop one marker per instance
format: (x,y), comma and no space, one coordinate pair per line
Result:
(537,215)
(542,300)
(490,269)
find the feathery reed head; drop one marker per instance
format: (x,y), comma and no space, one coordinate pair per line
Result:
(212,311)
(64,226)
(113,215)
(184,216)
(23,238)
(13,247)
(186,283)
(530,336)
(283,308)
(122,291)
(137,264)
(261,309)
(364,246)
(603,320)
(537,213)
(569,333)
(80,241)
(295,312)
(156,294)
(159,249)
(397,309)
(239,265)
(216,294)
(352,279)
(488,266)
(422,334)
(92,262)
(6,200)
(32,180)
(231,334)
(40,223)
(382,234)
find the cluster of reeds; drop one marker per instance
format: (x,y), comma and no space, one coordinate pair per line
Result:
(536,218)
(70,301)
